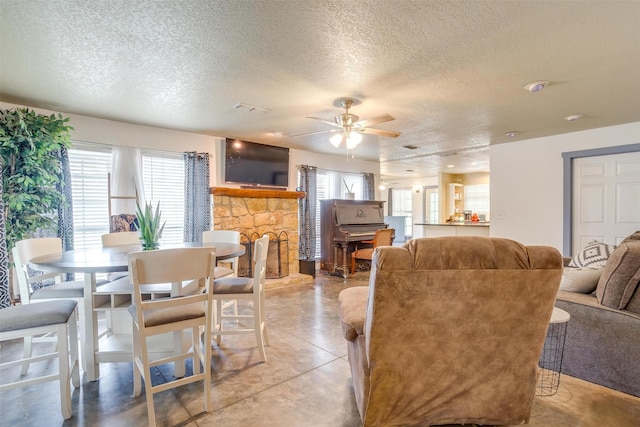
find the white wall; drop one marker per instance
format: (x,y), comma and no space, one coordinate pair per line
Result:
(91,129)
(527,178)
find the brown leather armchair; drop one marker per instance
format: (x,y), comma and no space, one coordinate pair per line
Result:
(450,331)
(382,237)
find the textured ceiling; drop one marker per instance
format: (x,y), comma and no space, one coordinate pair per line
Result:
(452,73)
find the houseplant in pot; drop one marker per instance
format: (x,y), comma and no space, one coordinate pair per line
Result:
(148,226)
(349,195)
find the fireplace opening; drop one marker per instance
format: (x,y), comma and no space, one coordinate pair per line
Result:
(277,255)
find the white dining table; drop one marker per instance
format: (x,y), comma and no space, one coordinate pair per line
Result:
(93,261)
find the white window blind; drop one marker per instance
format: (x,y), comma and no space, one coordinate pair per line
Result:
(476,199)
(163,175)
(89,179)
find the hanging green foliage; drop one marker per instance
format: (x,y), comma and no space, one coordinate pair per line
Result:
(30,145)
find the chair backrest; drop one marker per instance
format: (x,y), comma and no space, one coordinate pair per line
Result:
(177,266)
(467,317)
(223,236)
(383,237)
(23,252)
(261,248)
(120,238)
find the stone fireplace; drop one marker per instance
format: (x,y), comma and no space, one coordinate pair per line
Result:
(255,212)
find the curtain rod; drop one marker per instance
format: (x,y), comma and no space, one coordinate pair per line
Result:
(333,170)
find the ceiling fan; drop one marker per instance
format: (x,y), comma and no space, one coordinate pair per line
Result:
(349,128)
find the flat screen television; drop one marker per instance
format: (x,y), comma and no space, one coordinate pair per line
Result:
(254,164)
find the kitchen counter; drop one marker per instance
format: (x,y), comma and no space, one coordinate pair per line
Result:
(467,228)
(449,224)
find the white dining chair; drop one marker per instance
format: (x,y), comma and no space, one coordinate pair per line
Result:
(190,310)
(225,236)
(51,317)
(122,238)
(249,289)
(23,252)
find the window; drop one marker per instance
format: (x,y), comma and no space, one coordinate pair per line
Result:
(476,199)
(90,167)
(330,185)
(401,206)
(163,176)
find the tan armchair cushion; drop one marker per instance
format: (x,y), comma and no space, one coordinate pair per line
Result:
(353,305)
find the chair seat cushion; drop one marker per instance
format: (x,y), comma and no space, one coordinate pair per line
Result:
(163,316)
(60,290)
(222,272)
(233,285)
(364,253)
(35,315)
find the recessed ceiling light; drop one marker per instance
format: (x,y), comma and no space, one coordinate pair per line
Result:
(534,87)
(573,117)
(451,166)
(511,133)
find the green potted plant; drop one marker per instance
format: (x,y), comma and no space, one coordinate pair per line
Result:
(149,226)
(30,147)
(30,144)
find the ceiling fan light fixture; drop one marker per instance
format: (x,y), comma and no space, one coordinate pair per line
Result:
(336,139)
(353,139)
(537,86)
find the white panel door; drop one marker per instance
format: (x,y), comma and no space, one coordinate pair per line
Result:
(606,198)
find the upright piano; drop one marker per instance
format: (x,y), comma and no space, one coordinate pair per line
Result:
(343,223)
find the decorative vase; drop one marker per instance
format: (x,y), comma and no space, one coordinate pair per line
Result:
(149,246)
(349,196)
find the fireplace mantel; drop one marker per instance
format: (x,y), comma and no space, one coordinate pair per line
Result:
(256,193)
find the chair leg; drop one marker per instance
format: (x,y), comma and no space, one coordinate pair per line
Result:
(258,326)
(206,365)
(73,352)
(148,386)
(26,353)
(137,373)
(263,310)
(63,374)
(219,321)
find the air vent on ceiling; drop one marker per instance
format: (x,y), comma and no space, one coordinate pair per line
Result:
(410,147)
(250,108)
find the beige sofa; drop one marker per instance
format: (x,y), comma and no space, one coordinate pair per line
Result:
(602,344)
(450,330)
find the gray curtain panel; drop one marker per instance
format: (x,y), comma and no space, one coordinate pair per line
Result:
(368,187)
(5,301)
(65,210)
(390,202)
(307,212)
(197,201)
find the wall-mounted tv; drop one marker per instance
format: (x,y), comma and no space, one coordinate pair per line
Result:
(250,163)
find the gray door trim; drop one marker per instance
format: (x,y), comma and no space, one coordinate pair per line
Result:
(567,185)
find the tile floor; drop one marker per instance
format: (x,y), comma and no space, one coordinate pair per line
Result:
(306,381)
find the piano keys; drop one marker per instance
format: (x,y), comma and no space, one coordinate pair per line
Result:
(343,223)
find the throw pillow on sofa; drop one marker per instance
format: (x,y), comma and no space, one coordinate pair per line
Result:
(580,280)
(595,254)
(620,277)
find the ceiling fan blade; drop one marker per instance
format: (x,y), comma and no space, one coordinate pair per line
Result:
(334,124)
(315,133)
(374,121)
(380,132)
